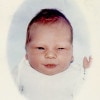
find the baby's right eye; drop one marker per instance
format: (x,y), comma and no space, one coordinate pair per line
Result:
(40,48)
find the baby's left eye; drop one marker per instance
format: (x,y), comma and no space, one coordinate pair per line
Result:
(61,48)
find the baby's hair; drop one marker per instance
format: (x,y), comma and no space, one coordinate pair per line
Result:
(48,16)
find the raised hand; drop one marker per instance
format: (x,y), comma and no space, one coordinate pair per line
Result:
(87,62)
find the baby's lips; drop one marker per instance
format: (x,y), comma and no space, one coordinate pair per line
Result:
(50,65)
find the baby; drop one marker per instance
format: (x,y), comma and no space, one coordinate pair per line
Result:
(46,72)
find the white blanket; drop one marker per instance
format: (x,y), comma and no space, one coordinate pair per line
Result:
(37,86)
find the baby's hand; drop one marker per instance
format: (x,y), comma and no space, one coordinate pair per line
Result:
(87,62)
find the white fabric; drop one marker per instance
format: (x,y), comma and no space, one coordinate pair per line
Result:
(37,86)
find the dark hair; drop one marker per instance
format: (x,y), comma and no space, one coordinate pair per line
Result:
(46,16)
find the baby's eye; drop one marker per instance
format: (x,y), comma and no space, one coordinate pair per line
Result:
(40,48)
(61,48)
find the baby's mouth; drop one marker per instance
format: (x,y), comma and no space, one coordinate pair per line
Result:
(50,65)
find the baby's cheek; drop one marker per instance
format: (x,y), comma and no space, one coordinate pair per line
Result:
(66,57)
(64,54)
(34,62)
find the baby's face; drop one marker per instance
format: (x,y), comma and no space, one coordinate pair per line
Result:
(50,50)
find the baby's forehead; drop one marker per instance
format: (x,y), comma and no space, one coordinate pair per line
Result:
(62,23)
(59,31)
(58,27)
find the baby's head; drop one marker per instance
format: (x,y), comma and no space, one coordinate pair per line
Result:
(49,48)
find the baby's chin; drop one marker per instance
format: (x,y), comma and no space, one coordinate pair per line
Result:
(51,71)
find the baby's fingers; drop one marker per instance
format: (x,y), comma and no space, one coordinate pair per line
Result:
(87,62)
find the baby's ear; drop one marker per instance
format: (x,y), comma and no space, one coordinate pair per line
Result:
(26,56)
(72,59)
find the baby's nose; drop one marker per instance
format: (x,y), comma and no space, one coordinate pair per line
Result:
(50,55)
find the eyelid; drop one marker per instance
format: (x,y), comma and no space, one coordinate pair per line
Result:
(40,48)
(61,48)
(64,48)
